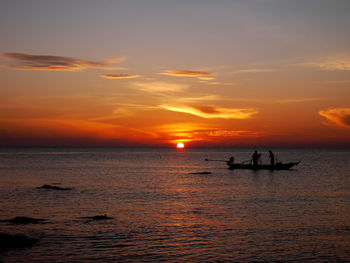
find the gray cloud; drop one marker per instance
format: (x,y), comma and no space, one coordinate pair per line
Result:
(48,62)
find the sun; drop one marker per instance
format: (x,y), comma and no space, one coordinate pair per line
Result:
(180,145)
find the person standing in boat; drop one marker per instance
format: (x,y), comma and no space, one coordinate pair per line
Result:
(272,158)
(255,158)
(231,160)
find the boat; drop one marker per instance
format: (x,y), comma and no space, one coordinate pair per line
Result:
(249,166)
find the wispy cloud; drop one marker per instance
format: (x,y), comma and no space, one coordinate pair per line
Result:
(232,133)
(123,110)
(206,78)
(160,87)
(298,100)
(186,73)
(330,63)
(48,62)
(197,99)
(119,76)
(217,83)
(114,60)
(192,132)
(211,112)
(340,82)
(256,70)
(339,116)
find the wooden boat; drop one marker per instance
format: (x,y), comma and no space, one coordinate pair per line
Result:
(277,166)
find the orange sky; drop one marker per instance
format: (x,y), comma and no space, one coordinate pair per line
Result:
(123,73)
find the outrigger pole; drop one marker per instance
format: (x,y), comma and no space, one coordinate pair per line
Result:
(211,160)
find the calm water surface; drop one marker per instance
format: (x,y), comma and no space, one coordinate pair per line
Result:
(162,212)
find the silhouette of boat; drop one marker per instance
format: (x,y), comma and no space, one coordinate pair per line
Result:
(249,166)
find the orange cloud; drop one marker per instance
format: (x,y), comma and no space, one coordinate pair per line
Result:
(339,116)
(47,62)
(119,76)
(211,112)
(232,133)
(197,133)
(206,78)
(160,87)
(186,73)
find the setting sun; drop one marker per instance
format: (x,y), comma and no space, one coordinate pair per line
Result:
(180,145)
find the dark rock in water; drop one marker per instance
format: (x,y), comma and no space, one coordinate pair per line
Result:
(99,217)
(24,220)
(201,173)
(53,187)
(15,241)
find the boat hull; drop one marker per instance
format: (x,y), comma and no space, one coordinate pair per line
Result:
(277,166)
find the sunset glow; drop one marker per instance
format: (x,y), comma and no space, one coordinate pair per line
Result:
(180,145)
(239,75)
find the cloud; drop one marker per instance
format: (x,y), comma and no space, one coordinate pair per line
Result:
(192,132)
(217,83)
(333,81)
(119,76)
(118,59)
(47,62)
(206,78)
(298,100)
(198,99)
(339,116)
(232,133)
(256,70)
(160,87)
(211,112)
(186,73)
(330,63)
(124,110)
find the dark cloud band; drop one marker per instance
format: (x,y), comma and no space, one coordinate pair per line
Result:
(48,62)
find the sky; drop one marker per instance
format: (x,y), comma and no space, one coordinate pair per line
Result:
(205,73)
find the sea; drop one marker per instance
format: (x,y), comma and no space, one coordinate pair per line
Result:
(173,205)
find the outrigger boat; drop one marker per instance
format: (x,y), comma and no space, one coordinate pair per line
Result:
(250,166)
(277,166)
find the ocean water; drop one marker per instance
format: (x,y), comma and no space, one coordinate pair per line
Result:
(164,213)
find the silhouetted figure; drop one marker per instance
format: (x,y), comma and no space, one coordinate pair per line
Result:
(272,158)
(256,157)
(231,160)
